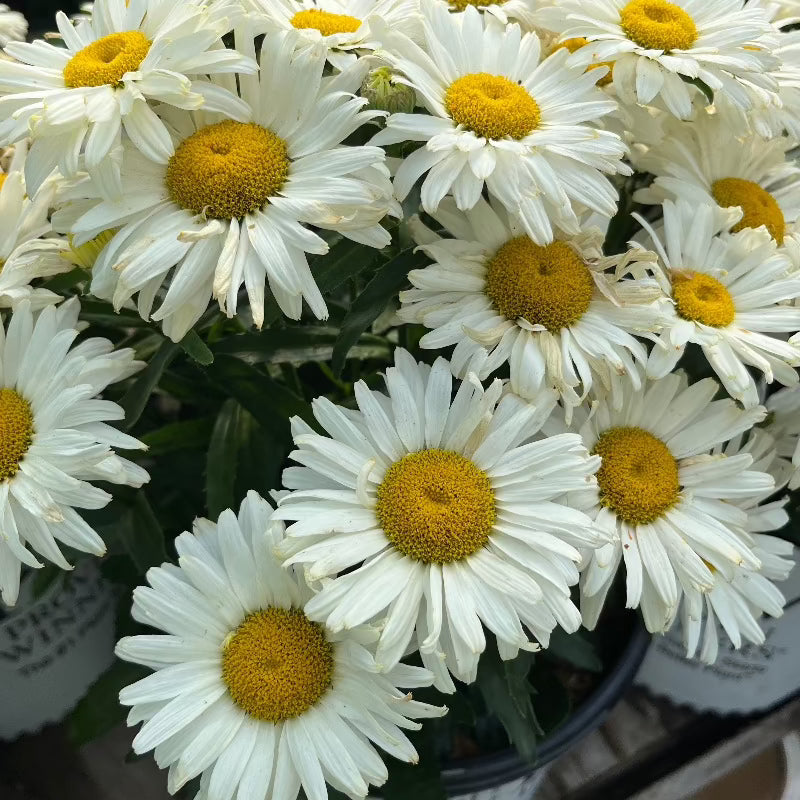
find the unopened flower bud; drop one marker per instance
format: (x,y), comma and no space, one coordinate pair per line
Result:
(383,93)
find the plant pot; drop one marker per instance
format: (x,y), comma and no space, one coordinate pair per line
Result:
(52,648)
(504,776)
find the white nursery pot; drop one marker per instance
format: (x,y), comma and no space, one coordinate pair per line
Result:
(53,648)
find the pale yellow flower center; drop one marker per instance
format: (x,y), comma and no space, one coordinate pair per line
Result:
(492,106)
(658,25)
(700,298)
(759,206)
(577,43)
(227,170)
(638,476)
(277,664)
(436,506)
(461,5)
(325,22)
(106,60)
(84,255)
(16,431)
(546,285)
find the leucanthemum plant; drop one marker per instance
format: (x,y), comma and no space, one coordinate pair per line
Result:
(498,303)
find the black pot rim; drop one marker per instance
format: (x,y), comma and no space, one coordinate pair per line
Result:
(486,772)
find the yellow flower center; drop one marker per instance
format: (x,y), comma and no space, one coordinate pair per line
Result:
(325,22)
(700,298)
(577,43)
(3,177)
(227,170)
(16,431)
(638,476)
(546,285)
(461,5)
(492,106)
(86,254)
(759,206)
(436,506)
(277,664)
(105,61)
(658,25)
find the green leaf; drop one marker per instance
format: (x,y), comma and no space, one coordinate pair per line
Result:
(197,349)
(98,312)
(222,458)
(575,649)
(183,435)
(702,86)
(99,711)
(507,692)
(422,781)
(66,280)
(135,399)
(366,308)
(145,544)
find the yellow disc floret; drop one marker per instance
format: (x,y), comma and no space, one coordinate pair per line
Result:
(461,5)
(106,60)
(492,106)
(325,22)
(3,176)
(546,285)
(436,506)
(575,44)
(759,206)
(277,664)
(16,431)
(658,25)
(227,170)
(700,298)
(638,476)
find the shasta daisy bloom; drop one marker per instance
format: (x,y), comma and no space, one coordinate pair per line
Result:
(344,27)
(505,11)
(702,162)
(13,25)
(657,47)
(552,312)
(499,117)
(78,97)
(24,254)
(661,496)
(54,438)
(449,523)
(246,689)
(231,202)
(784,425)
(727,289)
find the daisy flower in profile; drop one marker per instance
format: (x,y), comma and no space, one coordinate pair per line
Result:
(727,291)
(499,117)
(247,690)
(13,26)
(552,312)
(739,601)
(504,11)
(77,98)
(54,438)
(784,425)
(344,27)
(24,255)
(451,525)
(230,203)
(658,47)
(661,496)
(702,162)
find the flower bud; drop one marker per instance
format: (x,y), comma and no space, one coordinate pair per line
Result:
(383,93)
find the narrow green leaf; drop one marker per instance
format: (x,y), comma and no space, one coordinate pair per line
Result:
(145,544)
(183,435)
(366,308)
(136,397)
(99,312)
(702,86)
(575,649)
(422,781)
(197,349)
(344,261)
(222,458)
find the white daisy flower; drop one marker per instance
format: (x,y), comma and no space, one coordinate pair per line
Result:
(659,48)
(13,26)
(500,117)
(505,11)
(552,312)
(784,425)
(54,438)
(702,162)
(76,98)
(24,254)
(231,201)
(249,691)
(345,27)
(727,289)
(662,497)
(451,524)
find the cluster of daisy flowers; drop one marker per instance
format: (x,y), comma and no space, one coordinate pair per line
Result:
(605,193)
